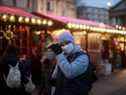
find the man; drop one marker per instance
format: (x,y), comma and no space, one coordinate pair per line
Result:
(72,63)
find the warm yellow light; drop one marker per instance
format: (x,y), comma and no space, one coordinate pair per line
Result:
(84,26)
(87,27)
(12,18)
(81,26)
(77,26)
(4,16)
(69,25)
(73,25)
(39,21)
(33,20)
(27,19)
(50,23)
(120,27)
(124,33)
(93,28)
(44,21)
(123,28)
(117,26)
(37,32)
(107,30)
(20,19)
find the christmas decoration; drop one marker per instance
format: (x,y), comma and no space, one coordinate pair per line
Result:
(8,35)
(25,20)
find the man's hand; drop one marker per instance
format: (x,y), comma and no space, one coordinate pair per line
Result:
(56,48)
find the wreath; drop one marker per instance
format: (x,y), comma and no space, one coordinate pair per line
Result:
(8,35)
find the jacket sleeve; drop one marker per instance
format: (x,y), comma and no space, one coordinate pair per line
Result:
(77,67)
(54,74)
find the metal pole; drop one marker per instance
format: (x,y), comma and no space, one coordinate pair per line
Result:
(86,38)
(124,43)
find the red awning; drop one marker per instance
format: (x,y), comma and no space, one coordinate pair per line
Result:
(15,11)
(66,20)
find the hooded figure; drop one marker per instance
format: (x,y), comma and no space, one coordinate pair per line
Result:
(71,66)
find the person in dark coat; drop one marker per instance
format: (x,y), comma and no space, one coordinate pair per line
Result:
(36,69)
(11,58)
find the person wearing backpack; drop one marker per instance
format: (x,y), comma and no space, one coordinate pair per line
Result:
(73,73)
(12,73)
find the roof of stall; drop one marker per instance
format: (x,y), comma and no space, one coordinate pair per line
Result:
(38,24)
(67,20)
(58,24)
(15,11)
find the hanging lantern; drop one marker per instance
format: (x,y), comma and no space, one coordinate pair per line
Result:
(73,25)
(20,19)
(37,32)
(120,27)
(84,26)
(69,25)
(27,20)
(44,21)
(4,17)
(81,26)
(39,21)
(77,26)
(50,23)
(33,20)
(12,18)
(87,27)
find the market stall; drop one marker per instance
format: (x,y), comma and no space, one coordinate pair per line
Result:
(89,34)
(18,27)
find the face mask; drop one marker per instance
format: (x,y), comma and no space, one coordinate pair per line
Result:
(68,48)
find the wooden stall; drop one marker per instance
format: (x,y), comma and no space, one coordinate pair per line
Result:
(89,34)
(17,27)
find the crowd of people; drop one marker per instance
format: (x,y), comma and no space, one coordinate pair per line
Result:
(65,69)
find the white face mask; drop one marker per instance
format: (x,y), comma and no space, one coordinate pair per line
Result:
(68,48)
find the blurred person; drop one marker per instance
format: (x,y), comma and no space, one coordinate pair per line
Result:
(48,64)
(36,69)
(71,75)
(118,60)
(10,60)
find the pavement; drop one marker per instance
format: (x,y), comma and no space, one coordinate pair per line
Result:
(114,84)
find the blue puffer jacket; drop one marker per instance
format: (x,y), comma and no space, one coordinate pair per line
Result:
(68,74)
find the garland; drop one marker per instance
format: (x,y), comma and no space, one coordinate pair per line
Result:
(8,35)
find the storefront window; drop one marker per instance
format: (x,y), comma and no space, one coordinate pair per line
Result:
(49,5)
